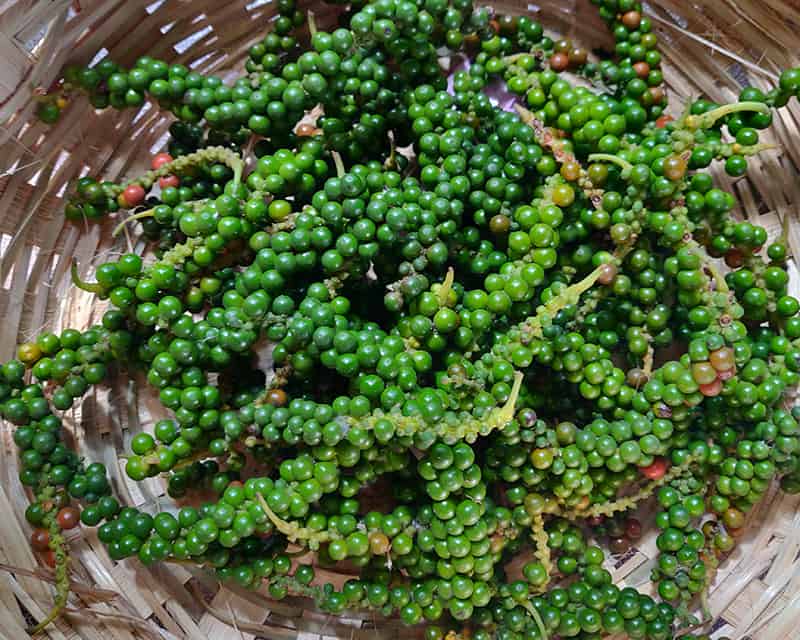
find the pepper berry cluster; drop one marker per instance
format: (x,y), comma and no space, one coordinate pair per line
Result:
(516,333)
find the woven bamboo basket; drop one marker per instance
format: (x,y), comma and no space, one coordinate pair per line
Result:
(710,47)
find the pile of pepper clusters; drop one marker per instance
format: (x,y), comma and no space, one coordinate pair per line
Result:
(515,334)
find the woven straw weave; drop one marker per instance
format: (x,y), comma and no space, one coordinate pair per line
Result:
(710,47)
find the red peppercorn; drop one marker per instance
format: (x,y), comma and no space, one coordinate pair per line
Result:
(734,258)
(49,558)
(633,528)
(169,181)
(276,397)
(723,359)
(641,68)
(607,274)
(306,129)
(68,517)
(40,539)
(656,94)
(133,195)
(656,470)
(559,61)
(662,121)
(632,19)
(619,545)
(712,388)
(160,159)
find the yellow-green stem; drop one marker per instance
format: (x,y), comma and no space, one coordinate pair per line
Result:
(338,163)
(507,411)
(137,216)
(719,279)
(536,618)
(754,149)
(623,504)
(91,287)
(59,548)
(542,550)
(292,530)
(610,157)
(707,119)
(312,24)
(444,291)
